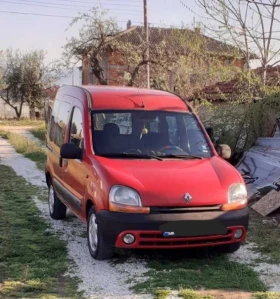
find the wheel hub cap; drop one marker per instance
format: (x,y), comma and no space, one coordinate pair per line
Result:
(51,200)
(93,240)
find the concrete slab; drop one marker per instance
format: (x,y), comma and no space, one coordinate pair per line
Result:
(268,204)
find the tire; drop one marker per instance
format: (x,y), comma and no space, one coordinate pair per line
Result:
(57,209)
(98,249)
(231,248)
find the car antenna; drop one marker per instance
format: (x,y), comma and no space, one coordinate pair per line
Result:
(143,105)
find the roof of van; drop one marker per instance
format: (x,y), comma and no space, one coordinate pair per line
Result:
(111,97)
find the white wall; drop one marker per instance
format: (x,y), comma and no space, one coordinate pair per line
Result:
(73,77)
(8,112)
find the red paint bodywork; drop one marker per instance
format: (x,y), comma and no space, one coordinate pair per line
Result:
(159,183)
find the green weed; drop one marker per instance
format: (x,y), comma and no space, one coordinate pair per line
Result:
(33,260)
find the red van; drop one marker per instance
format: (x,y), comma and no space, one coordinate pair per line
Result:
(139,167)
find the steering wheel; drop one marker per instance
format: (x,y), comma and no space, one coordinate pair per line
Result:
(170,148)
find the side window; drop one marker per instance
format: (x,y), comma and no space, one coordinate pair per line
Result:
(196,139)
(52,120)
(60,123)
(76,129)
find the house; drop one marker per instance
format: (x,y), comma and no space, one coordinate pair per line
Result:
(116,66)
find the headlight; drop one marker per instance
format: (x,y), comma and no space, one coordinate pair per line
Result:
(126,200)
(237,192)
(125,196)
(237,198)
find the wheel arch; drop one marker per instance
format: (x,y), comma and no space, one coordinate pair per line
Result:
(48,178)
(89,204)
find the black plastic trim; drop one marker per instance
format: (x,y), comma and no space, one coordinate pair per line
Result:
(67,196)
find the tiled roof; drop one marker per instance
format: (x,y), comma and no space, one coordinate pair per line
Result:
(136,36)
(214,91)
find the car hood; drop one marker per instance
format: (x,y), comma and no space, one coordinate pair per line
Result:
(165,183)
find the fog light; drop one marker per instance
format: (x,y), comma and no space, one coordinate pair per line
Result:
(128,239)
(238,233)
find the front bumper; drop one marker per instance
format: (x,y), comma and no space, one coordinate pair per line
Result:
(147,232)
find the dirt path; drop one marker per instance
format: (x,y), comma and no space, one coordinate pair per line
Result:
(23,130)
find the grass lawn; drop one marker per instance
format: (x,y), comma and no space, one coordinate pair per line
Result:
(22,122)
(33,260)
(40,132)
(267,236)
(198,270)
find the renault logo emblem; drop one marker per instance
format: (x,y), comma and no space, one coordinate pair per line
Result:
(188,197)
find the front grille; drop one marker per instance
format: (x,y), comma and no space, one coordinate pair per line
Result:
(167,210)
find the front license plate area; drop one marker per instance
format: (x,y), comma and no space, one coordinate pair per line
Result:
(192,228)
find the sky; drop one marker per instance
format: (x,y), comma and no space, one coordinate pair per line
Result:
(50,33)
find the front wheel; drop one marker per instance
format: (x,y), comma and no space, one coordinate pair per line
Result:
(98,249)
(57,208)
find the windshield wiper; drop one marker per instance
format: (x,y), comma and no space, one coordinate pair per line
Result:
(180,156)
(128,155)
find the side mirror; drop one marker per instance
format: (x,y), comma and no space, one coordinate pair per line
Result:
(71,151)
(224,151)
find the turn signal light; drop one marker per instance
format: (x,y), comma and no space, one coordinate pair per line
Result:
(237,205)
(114,207)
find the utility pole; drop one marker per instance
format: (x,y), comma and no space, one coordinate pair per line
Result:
(146,26)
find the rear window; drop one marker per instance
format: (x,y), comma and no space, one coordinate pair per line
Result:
(122,120)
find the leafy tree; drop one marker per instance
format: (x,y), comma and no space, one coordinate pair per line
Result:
(91,44)
(24,79)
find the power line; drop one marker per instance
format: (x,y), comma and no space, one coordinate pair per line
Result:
(101,2)
(51,6)
(48,15)
(188,8)
(39,5)
(34,14)
(69,5)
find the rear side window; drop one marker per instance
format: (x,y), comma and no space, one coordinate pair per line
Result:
(52,122)
(76,130)
(60,123)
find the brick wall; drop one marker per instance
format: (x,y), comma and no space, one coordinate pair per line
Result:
(116,68)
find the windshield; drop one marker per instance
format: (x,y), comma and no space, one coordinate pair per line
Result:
(149,134)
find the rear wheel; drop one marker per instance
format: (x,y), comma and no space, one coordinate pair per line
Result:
(56,207)
(98,249)
(231,248)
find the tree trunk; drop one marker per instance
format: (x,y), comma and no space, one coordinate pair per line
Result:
(32,112)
